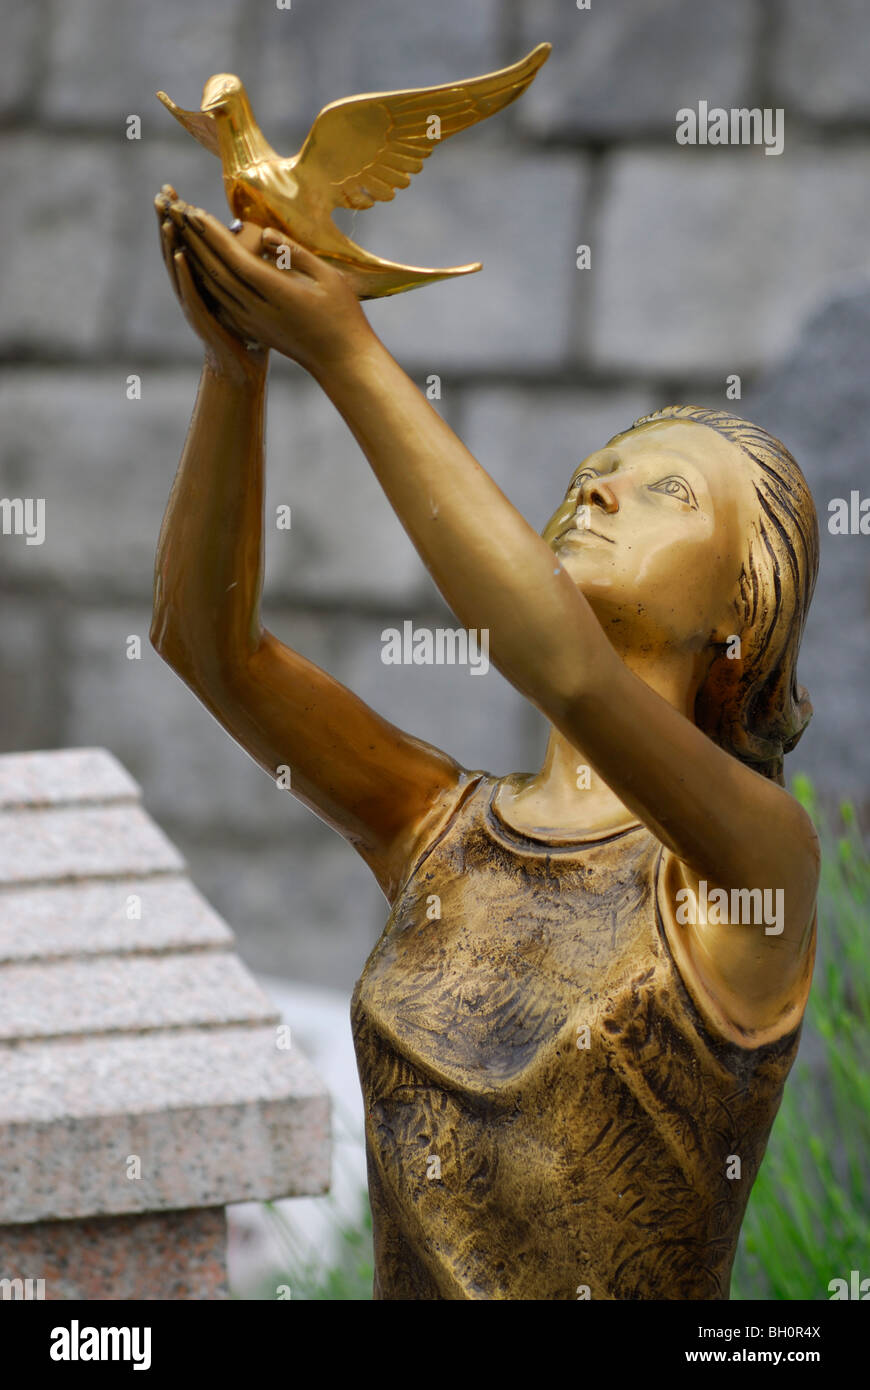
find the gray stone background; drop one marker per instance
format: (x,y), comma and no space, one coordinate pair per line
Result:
(705,262)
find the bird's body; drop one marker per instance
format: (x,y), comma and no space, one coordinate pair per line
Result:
(359,150)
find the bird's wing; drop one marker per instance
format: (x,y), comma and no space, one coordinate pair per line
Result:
(363,148)
(201,124)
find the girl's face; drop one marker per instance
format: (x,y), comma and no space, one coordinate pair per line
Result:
(654,529)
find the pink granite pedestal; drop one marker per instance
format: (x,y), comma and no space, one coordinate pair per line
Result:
(161,1255)
(145,1079)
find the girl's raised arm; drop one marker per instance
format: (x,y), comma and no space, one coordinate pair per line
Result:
(379,787)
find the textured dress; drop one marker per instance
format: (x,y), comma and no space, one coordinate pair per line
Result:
(548,1116)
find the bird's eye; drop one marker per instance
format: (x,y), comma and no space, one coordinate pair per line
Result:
(581,477)
(675,487)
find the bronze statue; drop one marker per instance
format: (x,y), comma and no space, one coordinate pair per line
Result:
(574,1031)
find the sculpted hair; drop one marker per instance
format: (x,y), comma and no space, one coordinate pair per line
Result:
(752,706)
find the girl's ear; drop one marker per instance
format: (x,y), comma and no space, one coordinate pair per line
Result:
(804,708)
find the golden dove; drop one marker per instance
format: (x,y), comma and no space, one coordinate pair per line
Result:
(358,151)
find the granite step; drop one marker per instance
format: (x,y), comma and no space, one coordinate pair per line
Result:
(216,1116)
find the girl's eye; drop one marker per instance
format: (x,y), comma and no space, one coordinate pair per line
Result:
(675,487)
(581,477)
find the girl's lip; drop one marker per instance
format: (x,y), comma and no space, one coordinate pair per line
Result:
(584,531)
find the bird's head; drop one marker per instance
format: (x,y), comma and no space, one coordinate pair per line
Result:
(222,94)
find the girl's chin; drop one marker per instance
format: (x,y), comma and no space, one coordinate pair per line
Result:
(587,573)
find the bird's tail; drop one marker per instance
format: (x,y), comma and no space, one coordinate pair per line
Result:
(373,278)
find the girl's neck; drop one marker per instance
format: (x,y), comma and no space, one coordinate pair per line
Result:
(567,794)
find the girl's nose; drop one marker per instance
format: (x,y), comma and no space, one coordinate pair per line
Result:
(595,492)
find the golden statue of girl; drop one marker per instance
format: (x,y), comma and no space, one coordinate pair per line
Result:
(574,1031)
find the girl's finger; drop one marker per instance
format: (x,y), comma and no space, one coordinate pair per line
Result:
(237,280)
(212,323)
(214,275)
(273,243)
(214,243)
(230,308)
(213,271)
(201,320)
(186,287)
(169,245)
(248,235)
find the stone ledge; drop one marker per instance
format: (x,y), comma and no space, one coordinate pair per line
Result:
(216,1116)
(82,842)
(64,920)
(131,994)
(63,777)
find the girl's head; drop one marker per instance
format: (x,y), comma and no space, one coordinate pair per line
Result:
(694,532)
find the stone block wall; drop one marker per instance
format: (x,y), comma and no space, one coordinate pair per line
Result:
(705,262)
